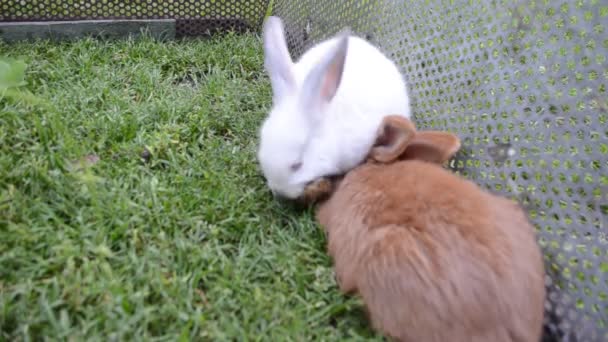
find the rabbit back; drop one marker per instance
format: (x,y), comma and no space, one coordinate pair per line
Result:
(433,256)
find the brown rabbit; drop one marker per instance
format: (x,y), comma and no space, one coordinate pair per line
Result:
(433,256)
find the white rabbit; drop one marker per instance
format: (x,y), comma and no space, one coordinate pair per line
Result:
(326,108)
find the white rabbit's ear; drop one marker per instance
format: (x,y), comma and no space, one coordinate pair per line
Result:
(323,81)
(277,60)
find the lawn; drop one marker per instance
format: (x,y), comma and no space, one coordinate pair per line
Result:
(132,207)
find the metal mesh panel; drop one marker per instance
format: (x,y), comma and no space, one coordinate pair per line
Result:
(193,17)
(523,83)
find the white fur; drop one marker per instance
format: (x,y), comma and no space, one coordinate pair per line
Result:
(328,137)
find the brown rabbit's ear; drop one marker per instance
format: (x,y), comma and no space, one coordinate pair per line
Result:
(432,146)
(393,137)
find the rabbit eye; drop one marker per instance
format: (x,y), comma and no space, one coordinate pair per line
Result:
(295,166)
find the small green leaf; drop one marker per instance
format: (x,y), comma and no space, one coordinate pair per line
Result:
(12,73)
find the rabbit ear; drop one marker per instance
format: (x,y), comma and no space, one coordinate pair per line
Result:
(322,83)
(397,138)
(393,137)
(277,60)
(432,146)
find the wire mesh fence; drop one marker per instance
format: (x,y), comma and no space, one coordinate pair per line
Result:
(193,17)
(523,83)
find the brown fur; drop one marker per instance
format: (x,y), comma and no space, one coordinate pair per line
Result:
(433,256)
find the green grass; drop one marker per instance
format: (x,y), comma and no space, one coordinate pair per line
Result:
(99,241)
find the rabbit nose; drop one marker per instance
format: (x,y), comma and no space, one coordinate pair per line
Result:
(277,195)
(281,198)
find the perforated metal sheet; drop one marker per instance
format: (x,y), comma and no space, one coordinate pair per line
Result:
(523,83)
(193,17)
